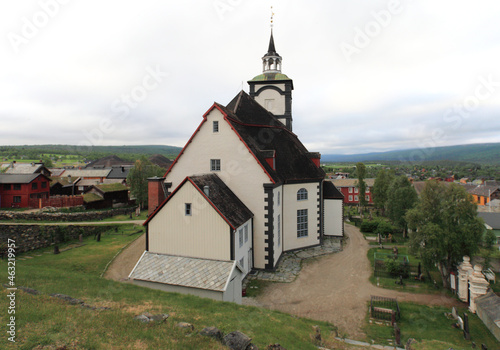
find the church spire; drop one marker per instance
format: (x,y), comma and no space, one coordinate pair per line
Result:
(271,62)
(271,50)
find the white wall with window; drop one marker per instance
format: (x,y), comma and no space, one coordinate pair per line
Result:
(226,146)
(243,246)
(300,216)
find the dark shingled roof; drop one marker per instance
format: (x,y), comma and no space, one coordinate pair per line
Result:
(220,197)
(330,191)
(108,161)
(263,132)
(160,160)
(119,172)
(229,205)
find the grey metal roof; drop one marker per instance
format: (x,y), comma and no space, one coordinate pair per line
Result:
(18,178)
(24,168)
(86,173)
(492,219)
(183,271)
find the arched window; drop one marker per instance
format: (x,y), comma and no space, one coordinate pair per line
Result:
(302,194)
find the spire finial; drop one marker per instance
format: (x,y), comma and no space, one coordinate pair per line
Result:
(272,18)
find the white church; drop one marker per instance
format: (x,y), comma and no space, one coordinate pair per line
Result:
(242,192)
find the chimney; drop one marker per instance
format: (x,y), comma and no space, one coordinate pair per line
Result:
(156,193)
(315,157)
(206,189)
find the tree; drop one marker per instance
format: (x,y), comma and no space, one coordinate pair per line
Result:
(401,197)
(490,239)
(445,227)
(47,162)
(361,171)
(138,176)
(381,189)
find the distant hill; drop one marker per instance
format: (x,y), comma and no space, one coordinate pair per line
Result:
(484,153)
(95,152)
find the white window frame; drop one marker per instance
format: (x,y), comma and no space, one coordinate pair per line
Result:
(356,190)
(215,126)
(242,262)
(302,223)
(350,198)
(215,165)
(246,233)
(350,189)
(367,198)
(356,198)
(188,209)
(302,194)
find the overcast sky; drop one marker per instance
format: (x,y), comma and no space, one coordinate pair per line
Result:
(368,75)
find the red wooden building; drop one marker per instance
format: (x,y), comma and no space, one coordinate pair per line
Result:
(349,189)
(16,190)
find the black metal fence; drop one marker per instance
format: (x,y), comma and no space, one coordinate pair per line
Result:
(386,309)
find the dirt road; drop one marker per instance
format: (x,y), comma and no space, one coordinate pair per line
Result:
(123,264)
(336,289)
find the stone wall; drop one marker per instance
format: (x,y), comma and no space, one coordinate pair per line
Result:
(488,310)
(63,217)
(30,237)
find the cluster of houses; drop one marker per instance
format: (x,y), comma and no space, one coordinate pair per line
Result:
(101,184)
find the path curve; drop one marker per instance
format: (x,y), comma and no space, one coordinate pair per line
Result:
(336,288)
(123,264)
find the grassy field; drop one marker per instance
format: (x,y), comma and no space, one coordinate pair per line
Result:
(432,328)
(45,321)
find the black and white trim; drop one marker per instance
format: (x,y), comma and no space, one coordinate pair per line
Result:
(269,226)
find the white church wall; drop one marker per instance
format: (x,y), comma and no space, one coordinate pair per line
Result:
(333,217)
(203,234)
(278,222)
(239,171)
(290,239)
(242,253)
(272,100)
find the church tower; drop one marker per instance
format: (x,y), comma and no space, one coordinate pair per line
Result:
(273,89)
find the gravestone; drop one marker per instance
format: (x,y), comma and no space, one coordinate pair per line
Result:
(460,322)
(454,313)
(466,327)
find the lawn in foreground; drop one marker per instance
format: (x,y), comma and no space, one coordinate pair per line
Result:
(42,320)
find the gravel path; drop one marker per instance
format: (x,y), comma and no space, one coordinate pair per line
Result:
(123,264)
(336,288)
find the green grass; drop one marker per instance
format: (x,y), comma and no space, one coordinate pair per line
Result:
(432,329)
(410,285)
(42,320)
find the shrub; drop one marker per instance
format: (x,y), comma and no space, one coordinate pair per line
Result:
(396,268)
(490,239)
(369,226)
(384,228)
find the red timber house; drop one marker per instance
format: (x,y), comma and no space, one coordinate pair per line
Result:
(246,153)
(18,190)
(349,189)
